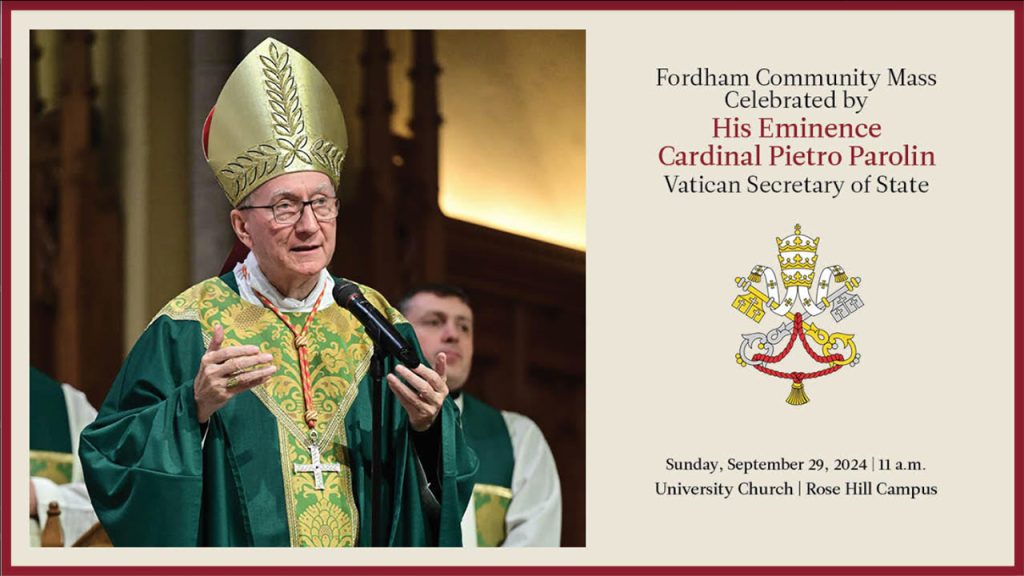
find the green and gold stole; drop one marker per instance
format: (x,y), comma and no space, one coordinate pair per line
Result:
(49,439)
(339,358)
(488,435)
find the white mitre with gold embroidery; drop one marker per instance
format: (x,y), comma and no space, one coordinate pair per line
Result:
(275,115)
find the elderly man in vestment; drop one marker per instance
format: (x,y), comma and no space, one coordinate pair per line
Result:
(242,416)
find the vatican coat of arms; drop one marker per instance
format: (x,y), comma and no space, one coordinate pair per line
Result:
(833,291)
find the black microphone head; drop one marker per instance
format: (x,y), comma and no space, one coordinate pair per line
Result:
(380,330)
(344,291)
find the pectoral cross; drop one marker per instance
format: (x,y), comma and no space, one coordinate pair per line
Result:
(317,468)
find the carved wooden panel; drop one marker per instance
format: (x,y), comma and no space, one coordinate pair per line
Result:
(530,347)
(76,235)
(43,240)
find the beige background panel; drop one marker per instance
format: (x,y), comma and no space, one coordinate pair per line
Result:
(663,382)
(935,383)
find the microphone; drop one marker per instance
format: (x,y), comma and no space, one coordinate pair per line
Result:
(380,330)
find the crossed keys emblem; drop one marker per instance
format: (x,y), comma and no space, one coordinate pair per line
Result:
(798,257)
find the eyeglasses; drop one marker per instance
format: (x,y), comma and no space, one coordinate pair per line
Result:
(289,212)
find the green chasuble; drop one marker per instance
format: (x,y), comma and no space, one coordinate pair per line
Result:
(155,481)
(487,435)
(49,438)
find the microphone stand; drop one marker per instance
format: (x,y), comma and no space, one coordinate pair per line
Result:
(376,403)
(387,342)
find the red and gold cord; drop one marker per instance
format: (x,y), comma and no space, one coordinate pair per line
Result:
(797,377)
(300,342)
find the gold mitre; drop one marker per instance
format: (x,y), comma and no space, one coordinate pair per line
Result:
(275,115)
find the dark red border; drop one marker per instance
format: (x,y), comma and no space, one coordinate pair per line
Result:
(518,5)
(816,5)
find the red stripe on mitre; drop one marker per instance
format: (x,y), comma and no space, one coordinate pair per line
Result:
(206,133)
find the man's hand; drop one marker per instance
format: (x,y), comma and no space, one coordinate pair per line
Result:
(225,373)
(423,401)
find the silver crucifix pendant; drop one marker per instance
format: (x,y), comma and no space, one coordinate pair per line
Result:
(317,467)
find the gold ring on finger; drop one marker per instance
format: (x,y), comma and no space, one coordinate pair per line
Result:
(232,382)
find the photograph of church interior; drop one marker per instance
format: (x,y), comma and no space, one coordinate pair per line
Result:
(465,166)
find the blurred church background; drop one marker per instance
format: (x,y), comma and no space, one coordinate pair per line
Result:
(466,165)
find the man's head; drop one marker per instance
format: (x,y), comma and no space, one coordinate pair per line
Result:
(277,134)
(292,240)
(443,321)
